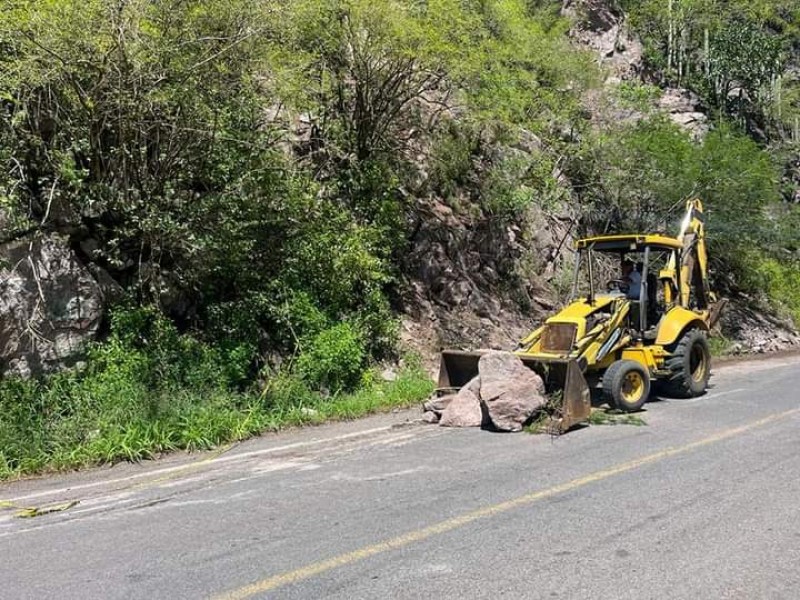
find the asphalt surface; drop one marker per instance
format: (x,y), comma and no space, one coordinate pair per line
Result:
(702,502)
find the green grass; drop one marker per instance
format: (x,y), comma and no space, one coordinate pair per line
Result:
(598,416)
(720,345)
(608,416)
(542,424)
(41,434)
(149,389)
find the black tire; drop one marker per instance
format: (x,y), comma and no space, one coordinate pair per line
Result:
(626,385)
(689,365)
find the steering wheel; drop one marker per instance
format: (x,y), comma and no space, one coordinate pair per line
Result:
(617,284)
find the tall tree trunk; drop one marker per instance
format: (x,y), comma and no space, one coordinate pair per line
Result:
(670,35)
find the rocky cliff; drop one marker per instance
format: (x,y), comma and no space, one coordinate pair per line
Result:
(468,277)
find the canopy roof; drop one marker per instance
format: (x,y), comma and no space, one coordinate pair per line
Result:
(634,242)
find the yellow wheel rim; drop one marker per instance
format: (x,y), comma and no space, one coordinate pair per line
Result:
(632,387)
(698,364)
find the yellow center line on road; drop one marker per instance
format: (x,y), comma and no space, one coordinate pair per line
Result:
(419,535)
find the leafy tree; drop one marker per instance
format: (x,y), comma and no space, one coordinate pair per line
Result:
(736,54)
(121,114)
(629,179)
(637,179)
(744,65)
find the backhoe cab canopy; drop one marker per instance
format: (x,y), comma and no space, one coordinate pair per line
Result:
(652,254)
(629,243)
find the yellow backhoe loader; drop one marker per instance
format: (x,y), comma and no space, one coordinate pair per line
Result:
(650,325)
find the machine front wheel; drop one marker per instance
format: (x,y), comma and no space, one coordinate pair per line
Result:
(626,384)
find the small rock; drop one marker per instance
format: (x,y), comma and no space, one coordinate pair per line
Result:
(696,123)
(389,374)
(528,142)
(430,417)
(465,408)
(679,100)
(437,405)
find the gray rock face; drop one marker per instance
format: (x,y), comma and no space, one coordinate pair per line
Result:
(50,306)
(510,391)
(695,123)
(685,109)
(680,100)
(757,332)
(601,27)
(465,408)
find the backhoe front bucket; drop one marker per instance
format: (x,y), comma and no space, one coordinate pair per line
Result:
(457,369)
(565,376)
(563,381)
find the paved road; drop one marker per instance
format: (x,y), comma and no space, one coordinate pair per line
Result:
(700,503)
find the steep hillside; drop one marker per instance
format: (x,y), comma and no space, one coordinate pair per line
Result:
(727,75)
(647,139)
(218,214)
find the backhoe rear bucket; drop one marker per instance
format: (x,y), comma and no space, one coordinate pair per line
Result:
(563,380)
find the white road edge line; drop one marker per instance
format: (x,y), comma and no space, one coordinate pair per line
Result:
(221,459)
(254,453)
(713,396)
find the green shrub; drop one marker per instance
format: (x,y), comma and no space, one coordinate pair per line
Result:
(781,281)
(630,177)
(333,359)
(734,53)
(126,402)
(637,178)
(147,347)
(452,158)
(719,345)
(639,96)
(285,390)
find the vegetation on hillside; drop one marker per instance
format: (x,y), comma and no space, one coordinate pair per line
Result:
(252,174)
(743,59)
(741,56)
(251,170)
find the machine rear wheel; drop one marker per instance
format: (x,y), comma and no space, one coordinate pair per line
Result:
(626,384)
(690,365)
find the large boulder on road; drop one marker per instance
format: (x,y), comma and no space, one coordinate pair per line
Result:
(509,390)
(464,410)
